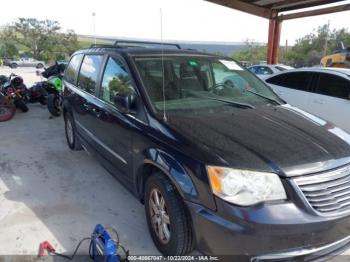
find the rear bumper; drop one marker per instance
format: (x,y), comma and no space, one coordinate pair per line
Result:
(275,232)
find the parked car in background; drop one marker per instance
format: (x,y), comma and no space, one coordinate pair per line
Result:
(265,70)
(229,170)
(321,91)
(24,62)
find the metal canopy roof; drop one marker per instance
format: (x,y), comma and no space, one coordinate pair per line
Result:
(271,8)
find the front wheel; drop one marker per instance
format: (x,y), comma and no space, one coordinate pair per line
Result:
(21,105)
(7,109)
(168,220)
(53,104)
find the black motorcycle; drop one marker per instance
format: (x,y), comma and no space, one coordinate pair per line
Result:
(14,88)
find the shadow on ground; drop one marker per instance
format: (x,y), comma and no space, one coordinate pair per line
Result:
(48,192)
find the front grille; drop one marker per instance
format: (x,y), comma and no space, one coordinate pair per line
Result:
(327,192)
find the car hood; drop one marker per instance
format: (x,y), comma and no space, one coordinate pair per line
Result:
(281,139)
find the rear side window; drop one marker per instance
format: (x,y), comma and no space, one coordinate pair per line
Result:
(115,80)
(331,85)
(89,73)
(263,70)
(297,80)
(71,72)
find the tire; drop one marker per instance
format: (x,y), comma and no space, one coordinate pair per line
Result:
(181,240)
(40,65)
(13,65)
(21,105)
(7,109)
(53,105)
(72,139)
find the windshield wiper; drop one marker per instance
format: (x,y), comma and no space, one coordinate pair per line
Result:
(237,104)
(266,97)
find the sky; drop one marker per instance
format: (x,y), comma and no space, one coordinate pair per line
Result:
(191,20)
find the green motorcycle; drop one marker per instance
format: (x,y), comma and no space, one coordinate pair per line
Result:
(53,86)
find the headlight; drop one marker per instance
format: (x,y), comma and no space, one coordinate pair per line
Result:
(243,187)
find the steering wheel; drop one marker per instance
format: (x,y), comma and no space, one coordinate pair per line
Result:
(215,88)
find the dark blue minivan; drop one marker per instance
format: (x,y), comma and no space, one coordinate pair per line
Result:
(221,163)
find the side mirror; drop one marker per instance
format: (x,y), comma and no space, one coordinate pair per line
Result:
(125,102)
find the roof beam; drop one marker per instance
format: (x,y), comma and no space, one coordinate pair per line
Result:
(290,5)
(244,7)
(322,11)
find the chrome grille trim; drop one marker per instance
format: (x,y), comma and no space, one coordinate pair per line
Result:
(327,192)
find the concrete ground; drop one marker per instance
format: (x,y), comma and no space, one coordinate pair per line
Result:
(48,192)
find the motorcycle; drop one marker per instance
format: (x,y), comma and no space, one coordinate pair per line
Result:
(37,93)
(7,108)
(15,90)
(53,87)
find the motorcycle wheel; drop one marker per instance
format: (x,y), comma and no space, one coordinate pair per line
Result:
(7,109)
(53,105)
(22,105)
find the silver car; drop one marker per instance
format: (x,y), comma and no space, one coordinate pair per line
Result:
(28,62)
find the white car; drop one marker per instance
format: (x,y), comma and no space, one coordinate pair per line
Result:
(264,70)
(324,92)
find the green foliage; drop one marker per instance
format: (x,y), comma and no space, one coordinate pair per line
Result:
(42,39)
(8,49)
(307,50)
(120,84)
(253,52)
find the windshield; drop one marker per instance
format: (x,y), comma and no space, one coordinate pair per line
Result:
(201,83)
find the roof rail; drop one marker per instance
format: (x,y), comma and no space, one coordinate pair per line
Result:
(131,43)
(102,46)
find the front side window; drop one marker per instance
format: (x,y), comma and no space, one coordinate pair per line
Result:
(275,80)
(200,83)
(71,72)
(331,85)
(252,69)
(297,80)
(89,73)
(115,80)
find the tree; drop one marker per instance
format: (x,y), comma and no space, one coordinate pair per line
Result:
(254,52)
(8,50)
(42,38)
(307,51)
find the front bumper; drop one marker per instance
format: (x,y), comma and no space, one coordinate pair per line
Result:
(268,232)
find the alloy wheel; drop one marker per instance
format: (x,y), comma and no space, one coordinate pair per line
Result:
(159,216)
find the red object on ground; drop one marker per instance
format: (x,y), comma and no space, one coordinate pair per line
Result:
(46,246)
